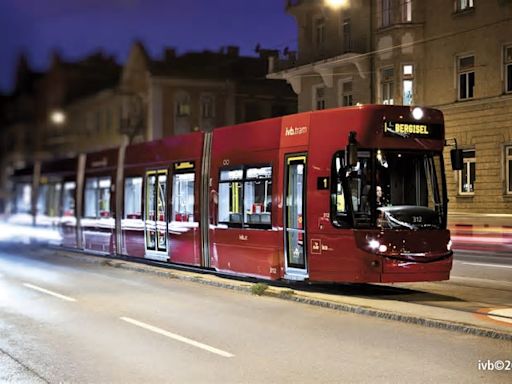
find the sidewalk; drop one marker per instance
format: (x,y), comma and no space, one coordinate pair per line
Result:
(414,303)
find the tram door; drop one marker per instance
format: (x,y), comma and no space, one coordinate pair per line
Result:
(156,215)
(295,217)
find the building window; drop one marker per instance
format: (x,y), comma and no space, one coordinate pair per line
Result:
(347,35)
(98,121)
(385,13)
(182,124)
(97,197)
(387,85)
(406,11)
(467,175)
(182,105)
(508,69)
(508,168)
(207,107)
(407,84)
(109,120)
(466,77)
(133,198)
(346,95)
(462,5)
(319,25)
(245,197)
(319,101)
(89,118)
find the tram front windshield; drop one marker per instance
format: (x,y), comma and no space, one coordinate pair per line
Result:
(393,189)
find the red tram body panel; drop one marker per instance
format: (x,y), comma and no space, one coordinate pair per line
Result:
(233,247)
(344,195)
(176,238)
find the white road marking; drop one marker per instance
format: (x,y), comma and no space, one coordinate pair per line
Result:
(488,265)
(55,294)
(177,337)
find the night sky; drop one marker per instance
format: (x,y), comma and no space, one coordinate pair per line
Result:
(79,27)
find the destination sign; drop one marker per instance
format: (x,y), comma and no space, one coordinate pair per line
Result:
(409,130)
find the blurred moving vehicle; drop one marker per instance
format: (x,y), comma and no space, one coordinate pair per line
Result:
(486,232)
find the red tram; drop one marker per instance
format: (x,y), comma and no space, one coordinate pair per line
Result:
(352,194)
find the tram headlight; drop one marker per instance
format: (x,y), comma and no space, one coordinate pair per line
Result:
(376,245)
(449,245)
(373,244)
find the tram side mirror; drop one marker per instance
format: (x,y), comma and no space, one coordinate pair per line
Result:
(457,159)
(351,152)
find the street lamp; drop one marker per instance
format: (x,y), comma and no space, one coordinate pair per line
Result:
(58,117)
(335,4)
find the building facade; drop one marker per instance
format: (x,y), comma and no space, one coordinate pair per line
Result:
(94,104)
(33,123)
(455,55)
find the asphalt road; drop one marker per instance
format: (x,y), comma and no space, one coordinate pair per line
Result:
(63,320)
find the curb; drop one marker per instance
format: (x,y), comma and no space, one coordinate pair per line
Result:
(291,295)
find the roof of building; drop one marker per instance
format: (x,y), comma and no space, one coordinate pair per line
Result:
(225,64)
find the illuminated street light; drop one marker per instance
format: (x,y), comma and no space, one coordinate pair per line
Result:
(335,4)
(58,117)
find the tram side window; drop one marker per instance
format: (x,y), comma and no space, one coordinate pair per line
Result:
(230,196)
(183,197)
(68,205)
(97,197)
(258,197)
(337,195)
(41,199)
(48,199)
(23,193)
(356,199)
(53,201)
(340,196)
(133,198)
(245,197)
